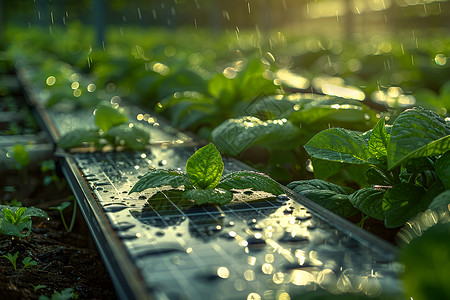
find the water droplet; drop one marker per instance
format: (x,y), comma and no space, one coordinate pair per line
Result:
(123,226)
(230,224)
(162,163)
(303,217)
(288,238)
(282,198)
(142,198)
(114,207)
(159,233)
(127,236)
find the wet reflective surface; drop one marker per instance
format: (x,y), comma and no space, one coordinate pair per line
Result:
(261,248)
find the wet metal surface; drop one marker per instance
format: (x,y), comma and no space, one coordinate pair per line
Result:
(263,247)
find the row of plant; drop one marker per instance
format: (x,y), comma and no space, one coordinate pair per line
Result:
(244,101)
(396,161)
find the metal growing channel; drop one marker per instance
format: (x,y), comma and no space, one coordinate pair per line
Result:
(155,245)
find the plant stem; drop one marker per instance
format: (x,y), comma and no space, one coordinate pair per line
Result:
(363,219)
(74,213)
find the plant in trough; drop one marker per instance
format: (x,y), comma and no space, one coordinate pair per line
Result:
(227,95)
(14,220)
(203,181)
(408,167)
(112,128)
(281,124)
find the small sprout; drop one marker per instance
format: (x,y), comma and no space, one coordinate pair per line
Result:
(38,287)
(61,209)
(28,262)
(12,259)
(63,295)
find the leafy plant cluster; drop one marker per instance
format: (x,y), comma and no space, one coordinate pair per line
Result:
(406,164)
(284,124)
(204,182)
(112,128)
(16,221)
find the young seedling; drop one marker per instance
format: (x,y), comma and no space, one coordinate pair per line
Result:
(14,220)
(12,259)
(38,287)
(203,181)
(48,166)
(65,294)
(28,262)
(112,128)
(61,209)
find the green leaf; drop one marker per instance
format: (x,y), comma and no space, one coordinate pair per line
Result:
(331,196)
(222,89)
(442,168)
(417,165)
(376,177)
(130,135)
(401,203)
(205,167)
(332,110)
(339,145)
(369,201)
(209,196)
(78,137)
(440,201)
(236,135)
(107,116)
(378,140)
(417,133)
(250,180)
(21,155)
(161,177)
(323,169)
(34,212)
(62,206)
(9,215)
(427,261)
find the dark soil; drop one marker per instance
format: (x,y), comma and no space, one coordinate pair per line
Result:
(64,260)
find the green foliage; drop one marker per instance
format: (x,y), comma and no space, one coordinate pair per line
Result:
(222,99)
(407,164)
(107,116)
(236,135)
(427,261)
(203,181)
(329,195)
(38,287)
(12,259)
(65,294)
(27,262)
(14,220)
(284,123)
(21,156)
(112,129)
(205,167)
